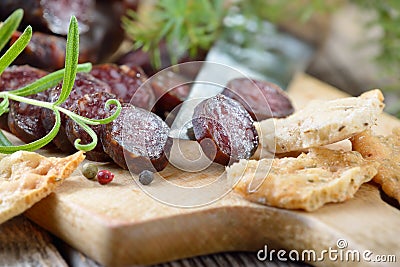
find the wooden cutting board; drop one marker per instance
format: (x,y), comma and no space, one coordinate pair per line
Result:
(119,224)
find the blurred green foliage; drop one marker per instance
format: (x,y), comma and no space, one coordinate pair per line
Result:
(185,25)
(188,26)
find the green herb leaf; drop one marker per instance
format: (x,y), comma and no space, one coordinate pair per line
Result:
(92,134)
(71,60)
(112,117)
(186,25)
(11,54)
(48,81)
(30,101)
(9,26)
(4,140)
(4,106)
(88,121)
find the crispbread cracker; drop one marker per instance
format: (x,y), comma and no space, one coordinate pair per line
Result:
(27,177)
(320,123)
(386,150)
(306,182)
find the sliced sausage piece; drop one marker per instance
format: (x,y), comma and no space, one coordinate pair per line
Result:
(47,51)
(105,35)
(16,77)
(51,15)
(170,90)
(143,59)
(138,140)
(126,83)
(84,84)
(256,95)
(24,119)
(44,51)
(224,130)
(90,106)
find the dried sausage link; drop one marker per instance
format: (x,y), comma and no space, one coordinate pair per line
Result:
(90,106)
(24,119)
(224,130)
(262,99)
(44,51)
(15,77)
(84,84)
(126,83)
(170,90)
(137,140)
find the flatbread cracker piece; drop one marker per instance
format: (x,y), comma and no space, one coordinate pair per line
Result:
(27,177)
(386,150)
(321,123)
(306,182)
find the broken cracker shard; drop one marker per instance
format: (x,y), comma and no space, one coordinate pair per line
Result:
(27,177)
(306,182)
(385,150)
(319,122)
(320,176)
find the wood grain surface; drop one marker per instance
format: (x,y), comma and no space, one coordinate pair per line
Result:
(119,224)
(25,244)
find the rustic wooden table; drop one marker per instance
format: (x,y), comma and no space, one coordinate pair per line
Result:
(23,243)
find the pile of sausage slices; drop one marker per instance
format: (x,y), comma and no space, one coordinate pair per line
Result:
(139,137)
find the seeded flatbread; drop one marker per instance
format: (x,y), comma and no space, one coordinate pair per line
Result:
(320,123)
(386,150)
(27,177)
(306,182)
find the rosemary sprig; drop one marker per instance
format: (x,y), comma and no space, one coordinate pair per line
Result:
(48,81)
(11,54)
(9,26)
(68,75)
(71,61)
(4,141)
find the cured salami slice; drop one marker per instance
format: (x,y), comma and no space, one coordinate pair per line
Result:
(126,83)
(137,140)
(44,51)
(224,130)
(24,119)
(262,99)
(90,106)
(170,90)
(84,84)
(16,77)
